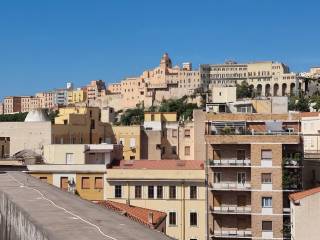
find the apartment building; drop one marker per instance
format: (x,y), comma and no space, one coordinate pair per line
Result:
(175,187)
(253,162)
(264,78)
(1,108)
(305,214)
(95,89)
(130,138)
(78,95)
(11,104)
(60,97)
(29,103)
(152,86)
(46,99)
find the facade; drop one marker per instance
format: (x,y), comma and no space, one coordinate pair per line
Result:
(81,153)
(60,97)
(174,187)
(1,108)
(253,162)
(77,96)
(29,103)
(46,99)
(4,147)
(130,138)
(11,105)
(85,180)
(305,214)
(264,78)
(95,89)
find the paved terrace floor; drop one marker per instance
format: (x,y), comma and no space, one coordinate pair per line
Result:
(61,215)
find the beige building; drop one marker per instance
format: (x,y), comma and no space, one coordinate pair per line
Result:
(78,95)
(46,99)
(163,82)
(305,214)
(130,138)
(29,103)
(253,162)
(72,126)
(174,187)
(1,108)
(264,78)
(11,105)
(4,147)
(81,153)
(95,89)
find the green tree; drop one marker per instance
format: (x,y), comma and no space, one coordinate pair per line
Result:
(243,90)
(17,117)
(132,116)
(301,104)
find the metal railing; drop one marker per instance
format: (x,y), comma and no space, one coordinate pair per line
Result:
(231,186)
(232,233)
(231,209)
(230,162)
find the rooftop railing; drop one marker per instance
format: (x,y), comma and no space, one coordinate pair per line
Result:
(229,162)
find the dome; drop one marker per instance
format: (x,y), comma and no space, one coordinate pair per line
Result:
(37,115)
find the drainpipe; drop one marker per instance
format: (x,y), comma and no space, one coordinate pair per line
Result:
(183,217)
(207,192)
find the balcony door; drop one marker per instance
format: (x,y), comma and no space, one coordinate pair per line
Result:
(241,200)
(241,178)
(217,201)
(241,154)
(241,223)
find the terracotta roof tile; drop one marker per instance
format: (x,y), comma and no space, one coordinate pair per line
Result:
(138,214)
(161,164)
(300,195)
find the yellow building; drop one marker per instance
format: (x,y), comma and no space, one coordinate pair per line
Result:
(81,125)
(77,96)
(130,138)
(160,116)
(176,187)
(85,180)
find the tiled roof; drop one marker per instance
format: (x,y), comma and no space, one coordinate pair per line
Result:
(300,195)
(161,164)
(137,214)
(309,114)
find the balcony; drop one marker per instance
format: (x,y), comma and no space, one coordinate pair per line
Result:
(230,163)
(231,209)
(293,160)
(231,186)
(232,234)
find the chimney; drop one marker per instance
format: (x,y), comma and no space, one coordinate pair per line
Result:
(150,218)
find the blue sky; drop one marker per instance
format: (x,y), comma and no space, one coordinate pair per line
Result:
(44,44)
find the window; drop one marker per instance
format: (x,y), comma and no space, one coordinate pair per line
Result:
(172,218)
(159,192)
(174,150)
(187,150)
(187,133)
(174,133)
(93,125)
(132,157)
(137,191)
(266,155)
(267,226)
(241,177)
(121,141)
(152,117)
(193,219)
(266,202)
(172,192)
(217,177)
(266,178)
(132,142)
(69,158)
(98,183)
(85,183)
(43,179)
(117,191)
(193,192)
(150,191)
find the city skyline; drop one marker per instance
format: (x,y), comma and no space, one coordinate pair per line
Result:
(44,47)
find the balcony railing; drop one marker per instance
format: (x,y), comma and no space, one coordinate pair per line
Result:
(232,233)
(231,186)
(230,162)
(231,209)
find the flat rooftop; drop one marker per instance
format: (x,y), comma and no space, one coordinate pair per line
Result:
(61,215)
